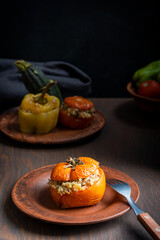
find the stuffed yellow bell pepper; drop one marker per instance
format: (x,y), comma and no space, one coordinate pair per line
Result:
(38,113)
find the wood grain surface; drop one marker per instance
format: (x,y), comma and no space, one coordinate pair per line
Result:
(129,142)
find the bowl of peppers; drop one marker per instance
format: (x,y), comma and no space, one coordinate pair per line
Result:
(145,87)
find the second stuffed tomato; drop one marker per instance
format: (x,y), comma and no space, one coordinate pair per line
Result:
(76,112)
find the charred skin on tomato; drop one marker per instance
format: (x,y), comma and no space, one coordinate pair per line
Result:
(77,185)
(76,112)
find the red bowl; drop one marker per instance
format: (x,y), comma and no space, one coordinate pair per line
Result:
(147,104)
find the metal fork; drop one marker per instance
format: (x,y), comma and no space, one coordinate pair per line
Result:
(144,218)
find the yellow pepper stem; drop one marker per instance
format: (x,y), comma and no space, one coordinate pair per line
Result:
(41,99)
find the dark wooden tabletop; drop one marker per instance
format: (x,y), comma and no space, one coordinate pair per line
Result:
(129,142)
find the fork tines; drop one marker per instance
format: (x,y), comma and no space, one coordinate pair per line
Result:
(113,181)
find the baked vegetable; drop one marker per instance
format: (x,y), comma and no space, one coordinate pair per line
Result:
(77,182)
(35,79)
(38,113)
(76,112)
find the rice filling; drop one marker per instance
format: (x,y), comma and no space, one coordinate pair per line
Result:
(77,185)
(77,112)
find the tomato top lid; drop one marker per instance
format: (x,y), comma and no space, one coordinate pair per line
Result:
(78,102)
(74,169)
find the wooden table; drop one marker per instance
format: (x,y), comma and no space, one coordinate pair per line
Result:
(129,142)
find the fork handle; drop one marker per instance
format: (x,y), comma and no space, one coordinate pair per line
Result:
(150,225)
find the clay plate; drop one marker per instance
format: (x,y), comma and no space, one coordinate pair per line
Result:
(9,125)
(32,196)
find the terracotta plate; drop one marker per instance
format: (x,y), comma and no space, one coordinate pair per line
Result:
(31,195)
(9,125)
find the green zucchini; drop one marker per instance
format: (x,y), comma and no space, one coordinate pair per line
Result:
(35,80)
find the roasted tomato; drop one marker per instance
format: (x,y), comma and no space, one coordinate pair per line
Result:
(76,112)
(149,88)
(77,182)
(78,102)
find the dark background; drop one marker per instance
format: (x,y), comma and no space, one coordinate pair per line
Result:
(108,40)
